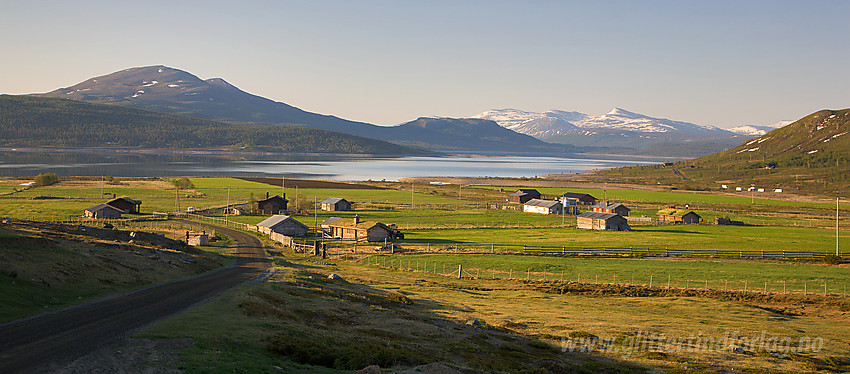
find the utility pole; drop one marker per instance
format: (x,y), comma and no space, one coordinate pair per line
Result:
(177,199)
(836,227)
(102,181)
(411,194)
(227,207)
(282,187)
(316,214)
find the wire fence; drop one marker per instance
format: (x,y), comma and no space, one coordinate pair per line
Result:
(629,279)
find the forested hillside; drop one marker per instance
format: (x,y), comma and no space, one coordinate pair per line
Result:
(49,122)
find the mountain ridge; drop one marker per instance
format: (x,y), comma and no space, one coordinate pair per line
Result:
(163,89)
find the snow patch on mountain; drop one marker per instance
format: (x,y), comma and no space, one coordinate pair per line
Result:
(557,122)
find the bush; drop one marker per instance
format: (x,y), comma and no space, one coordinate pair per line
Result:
(183,183)
(46,179)
(832,259)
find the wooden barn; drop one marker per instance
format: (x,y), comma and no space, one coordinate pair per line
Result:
(616,208)
(284,225)
(348,228)
(678,216)
(523,195)
(582,198)
(103,211)
(272,205)
(602,221)
(543,206)
(333,204)
(126,205)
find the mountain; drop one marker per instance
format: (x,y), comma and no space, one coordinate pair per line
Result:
(168,90)
(619,128)
(467,134)
(811,155)
(40,122)
(538,125)
(754,131)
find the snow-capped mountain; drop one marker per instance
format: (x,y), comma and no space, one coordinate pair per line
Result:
(622,119)
(558,122)
(538,125)
(754,131)
(617,128)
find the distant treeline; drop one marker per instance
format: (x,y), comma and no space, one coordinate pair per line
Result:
(32,121)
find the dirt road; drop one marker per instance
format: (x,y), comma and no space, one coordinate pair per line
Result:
(29,344)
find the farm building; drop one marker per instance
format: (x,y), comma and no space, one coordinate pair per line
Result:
(126,205)
(616,208)
(582,198)
(531,192)
(602,221)
(272,205)
(284,225)
(348,228)
(333,204)
(326,226)
(543,206)
(519,197)
(103,211)
(678,216)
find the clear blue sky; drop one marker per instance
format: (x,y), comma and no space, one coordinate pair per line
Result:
(722,63)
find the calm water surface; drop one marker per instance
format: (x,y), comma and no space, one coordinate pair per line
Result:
(318,167)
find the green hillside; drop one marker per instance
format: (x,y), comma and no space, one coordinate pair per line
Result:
(809,156)
(49,122)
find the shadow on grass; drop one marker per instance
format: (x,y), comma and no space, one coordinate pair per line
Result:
(350,324)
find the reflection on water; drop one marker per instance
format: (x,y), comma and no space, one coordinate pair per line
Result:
(311,167)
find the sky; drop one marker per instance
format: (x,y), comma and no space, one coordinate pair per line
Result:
(720,63)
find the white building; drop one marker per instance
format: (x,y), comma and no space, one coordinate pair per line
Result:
(543,206)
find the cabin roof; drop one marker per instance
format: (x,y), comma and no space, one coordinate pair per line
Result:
(278,219)
(542,203)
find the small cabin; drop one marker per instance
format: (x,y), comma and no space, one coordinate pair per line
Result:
(272,205)
(602,221)
(616,208)
(678,216)
(335,204)
(519,197)
(348,228)
(126,205)
(581,198)
(543,206)
(284,225)
(103,211)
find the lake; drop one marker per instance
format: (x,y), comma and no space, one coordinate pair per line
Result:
(308,167)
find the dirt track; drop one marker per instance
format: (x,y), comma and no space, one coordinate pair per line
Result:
(31,344)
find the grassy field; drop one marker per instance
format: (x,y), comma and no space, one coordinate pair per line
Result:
(680,273)
(700,237)
(301,321)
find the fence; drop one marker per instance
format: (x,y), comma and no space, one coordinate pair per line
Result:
(611,280)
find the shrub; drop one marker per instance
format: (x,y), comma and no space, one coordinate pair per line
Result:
(183,183)
(832,259)
(46,179)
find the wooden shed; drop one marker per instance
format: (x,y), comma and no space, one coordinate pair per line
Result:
(582,198)
(284,225)
(616,208)
(523,195)
(678,216)
(333,204)
(348,228)
(543,206)
(602,221)
(272,205)
(126,205)
(103,211)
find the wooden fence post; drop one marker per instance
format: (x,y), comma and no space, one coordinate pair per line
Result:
(459,271)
